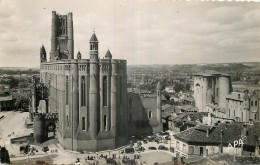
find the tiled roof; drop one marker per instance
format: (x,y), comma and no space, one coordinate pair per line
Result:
(256,93)
(168,111)
(193,116)
(193,123)
(187,107)
(223,134)
(236,96)
(189,99)
(166,106)
(208,73)
(149,103)
(216,107)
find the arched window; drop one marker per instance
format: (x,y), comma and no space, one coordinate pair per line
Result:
(67,90)
(83,91)
(105,91)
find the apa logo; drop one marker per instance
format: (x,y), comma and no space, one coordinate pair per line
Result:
(236,143)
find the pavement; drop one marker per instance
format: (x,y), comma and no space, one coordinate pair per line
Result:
(13,124)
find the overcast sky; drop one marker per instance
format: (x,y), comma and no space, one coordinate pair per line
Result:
(140,32)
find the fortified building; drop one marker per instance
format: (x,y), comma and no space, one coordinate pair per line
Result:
(89,95)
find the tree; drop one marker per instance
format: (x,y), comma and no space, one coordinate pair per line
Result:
(187,87)
(166,95)
(179,87)
(13,82)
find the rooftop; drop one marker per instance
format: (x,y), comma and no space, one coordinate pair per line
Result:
(239,96)
(93,38)
(209,73)
(224,134)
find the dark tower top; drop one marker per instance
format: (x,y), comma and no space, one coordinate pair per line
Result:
(42,54)
(93,47)
(93,38)
(62,37)
(108,55)
(79,55)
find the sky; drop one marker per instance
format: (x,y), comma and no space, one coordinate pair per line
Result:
(142,32)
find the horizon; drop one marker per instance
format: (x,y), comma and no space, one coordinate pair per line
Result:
(183,33)
(38,67)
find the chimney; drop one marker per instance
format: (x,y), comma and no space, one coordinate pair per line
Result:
(207,133)
(244,130)
(188,118)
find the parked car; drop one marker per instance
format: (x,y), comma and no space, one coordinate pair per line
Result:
(162,147)
(164,133)
(45,149)
(140,149)
(167,138)
(145,141)
(129,150)
(152,148)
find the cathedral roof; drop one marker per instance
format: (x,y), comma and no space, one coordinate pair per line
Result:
(108,55)
(93,38)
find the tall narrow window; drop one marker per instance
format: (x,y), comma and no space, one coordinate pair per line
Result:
(105,91)
(130,103)
(150,115)
(255,103)
(217,91)
(83,91)
(241,116)
(228,112)
(105,122)
(83,124)
(68,124)
(121,89)
(184,148)
(67,90)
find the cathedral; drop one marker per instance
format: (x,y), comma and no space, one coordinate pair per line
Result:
(89,95)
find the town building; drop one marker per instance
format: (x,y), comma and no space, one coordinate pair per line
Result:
(6,99)
(238,106)
(211,87)
(254,105)
(204,140)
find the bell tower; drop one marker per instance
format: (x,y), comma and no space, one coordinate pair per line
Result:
(93,47)
(62,37)
(159,102)
(94,95)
